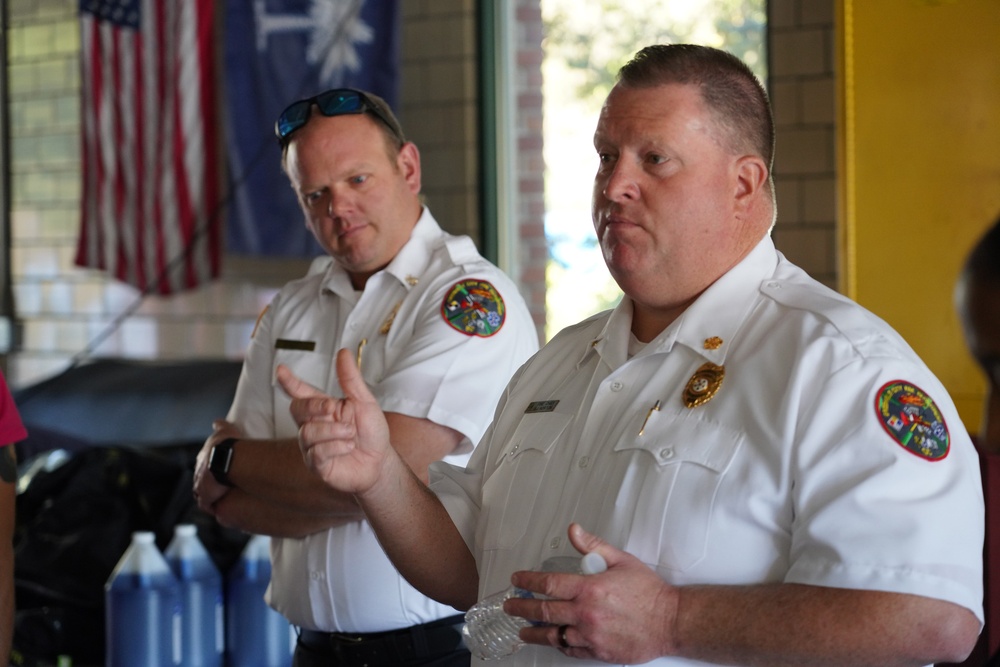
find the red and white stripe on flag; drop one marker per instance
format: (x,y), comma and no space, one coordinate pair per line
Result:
(150,205)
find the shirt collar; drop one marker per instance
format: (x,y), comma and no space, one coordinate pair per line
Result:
(408,264)
(611,344)
(709,324)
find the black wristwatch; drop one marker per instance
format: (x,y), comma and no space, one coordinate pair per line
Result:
(220,460)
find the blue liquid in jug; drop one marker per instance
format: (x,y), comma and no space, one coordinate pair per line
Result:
(143,615)
(256,635)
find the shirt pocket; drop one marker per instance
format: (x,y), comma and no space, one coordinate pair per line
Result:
(670,488)
(512,490)
(310,366)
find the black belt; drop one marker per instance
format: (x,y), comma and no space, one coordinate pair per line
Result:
(417,642)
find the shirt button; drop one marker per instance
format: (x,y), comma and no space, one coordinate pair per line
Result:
(617,385)
(316,576)
(667,453)
(555,543)
(584,461)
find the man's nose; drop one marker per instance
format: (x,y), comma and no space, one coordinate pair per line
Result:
(338,204)
(620,182)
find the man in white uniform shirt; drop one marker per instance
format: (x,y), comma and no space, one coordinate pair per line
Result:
(770,473)
(437,331)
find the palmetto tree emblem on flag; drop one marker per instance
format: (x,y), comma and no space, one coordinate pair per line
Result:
(335,27)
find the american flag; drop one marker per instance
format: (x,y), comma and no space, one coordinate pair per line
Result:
(150,201)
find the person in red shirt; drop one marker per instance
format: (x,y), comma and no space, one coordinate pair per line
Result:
(11,431)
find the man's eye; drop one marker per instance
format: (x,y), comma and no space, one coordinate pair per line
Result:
(358,180)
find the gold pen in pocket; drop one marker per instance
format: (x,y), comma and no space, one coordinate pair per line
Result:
(361,347)
(655,408)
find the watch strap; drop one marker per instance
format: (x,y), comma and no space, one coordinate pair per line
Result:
(221,460)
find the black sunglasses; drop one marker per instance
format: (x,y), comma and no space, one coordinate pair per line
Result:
(336,102)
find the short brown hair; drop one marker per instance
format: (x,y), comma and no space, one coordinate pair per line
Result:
(729,88)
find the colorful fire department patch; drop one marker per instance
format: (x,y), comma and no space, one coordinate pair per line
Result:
(474,307)
(913,420)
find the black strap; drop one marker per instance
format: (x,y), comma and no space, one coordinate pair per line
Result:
(418,642)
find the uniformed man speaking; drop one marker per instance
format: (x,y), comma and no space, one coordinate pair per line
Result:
(436,330)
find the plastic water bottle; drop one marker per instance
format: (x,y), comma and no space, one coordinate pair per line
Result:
(490,633)
(202,624)
(142,608)
(256,635)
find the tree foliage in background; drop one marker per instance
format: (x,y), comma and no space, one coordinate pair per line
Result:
(594,39)
(742,24)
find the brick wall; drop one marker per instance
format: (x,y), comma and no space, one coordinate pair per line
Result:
(439,106)
(802,87)
(530,166)
(64,311)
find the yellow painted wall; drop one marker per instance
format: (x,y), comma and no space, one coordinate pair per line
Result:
(920,158)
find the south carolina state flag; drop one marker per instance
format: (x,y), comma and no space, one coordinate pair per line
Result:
(276,52)
(150,202)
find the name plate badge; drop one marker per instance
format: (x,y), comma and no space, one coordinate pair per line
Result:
(541,406)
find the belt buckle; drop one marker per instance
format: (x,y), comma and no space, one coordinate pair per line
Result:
(353,649)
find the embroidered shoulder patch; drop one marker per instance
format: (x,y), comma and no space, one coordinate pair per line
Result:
(474,307)
(913,420)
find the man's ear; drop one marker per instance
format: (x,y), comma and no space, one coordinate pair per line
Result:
(751,178)
(408,162)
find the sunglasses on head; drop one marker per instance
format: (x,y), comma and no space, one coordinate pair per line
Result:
(337,102)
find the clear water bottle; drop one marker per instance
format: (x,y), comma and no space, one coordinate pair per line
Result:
(490,633)
(202,622)
(256,635)
(142,608)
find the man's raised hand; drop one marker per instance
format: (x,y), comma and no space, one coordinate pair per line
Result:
(344,440)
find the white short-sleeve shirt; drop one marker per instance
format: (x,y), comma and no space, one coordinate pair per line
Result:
(434,344)
(819,457)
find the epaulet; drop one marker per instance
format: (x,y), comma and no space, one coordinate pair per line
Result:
(854,322)
(812,297)
(462,250)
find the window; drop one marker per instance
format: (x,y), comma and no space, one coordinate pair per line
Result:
(585,44)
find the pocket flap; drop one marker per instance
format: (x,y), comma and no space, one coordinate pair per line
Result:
(536,431)
(677,440)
